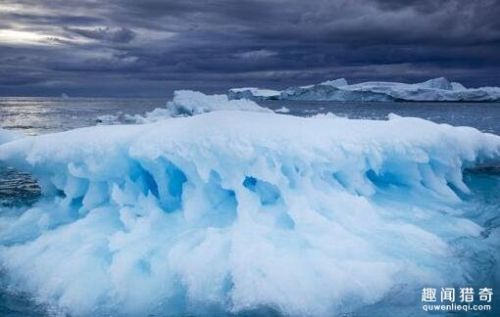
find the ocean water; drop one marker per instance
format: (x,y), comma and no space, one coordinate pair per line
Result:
(482,116)
(34,116)
(45,115)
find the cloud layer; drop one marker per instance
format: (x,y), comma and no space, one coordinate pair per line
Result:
(151,47)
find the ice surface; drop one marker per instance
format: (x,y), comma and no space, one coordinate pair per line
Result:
(188,103)
(340,82)
(234,211)
(7,136)
(282,110)
(436,83)
(253,93)
(185,103)
(457,86)
(437,89)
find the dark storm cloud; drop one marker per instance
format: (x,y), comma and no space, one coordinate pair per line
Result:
(36,19)
(120,35)
(157,46)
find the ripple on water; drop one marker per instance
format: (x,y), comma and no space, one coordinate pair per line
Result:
(17,188)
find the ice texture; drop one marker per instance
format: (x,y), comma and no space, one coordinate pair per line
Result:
(282,110)
(233,211)
(253,93)
(437,89)
(7,136)
(185,103)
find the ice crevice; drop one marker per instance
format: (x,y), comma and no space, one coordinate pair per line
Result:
(229,211)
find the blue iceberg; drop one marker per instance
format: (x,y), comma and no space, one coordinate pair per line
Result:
(225,212)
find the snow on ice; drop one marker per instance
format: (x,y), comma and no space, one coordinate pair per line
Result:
(235,211)
(437,89)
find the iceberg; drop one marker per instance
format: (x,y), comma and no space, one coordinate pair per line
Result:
(227,212)
(253,93)
(185,103)
(340,82)
(188,103)
(437,89)
(282,110)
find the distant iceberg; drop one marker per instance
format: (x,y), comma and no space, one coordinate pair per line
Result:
(253,93)
(224,212)
(437,89)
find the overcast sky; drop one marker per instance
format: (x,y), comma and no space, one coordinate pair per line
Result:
(151,47)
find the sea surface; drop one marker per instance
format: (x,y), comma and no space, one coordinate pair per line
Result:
(35,116)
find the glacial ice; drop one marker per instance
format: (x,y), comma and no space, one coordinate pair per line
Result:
(253,93)
(282,110)
(437,89)
(236,211)
(185,103)
(7,136)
